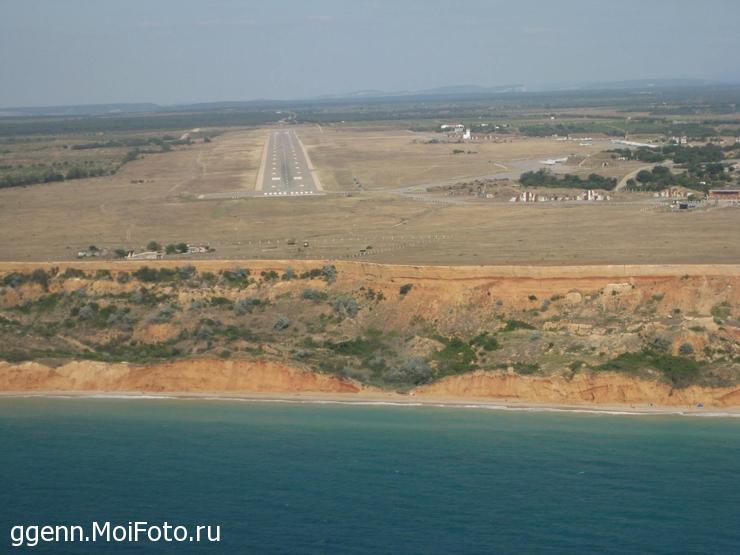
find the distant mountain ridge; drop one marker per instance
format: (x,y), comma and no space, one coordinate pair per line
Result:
(82,110)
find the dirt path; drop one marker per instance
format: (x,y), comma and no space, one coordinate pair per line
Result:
(623,182)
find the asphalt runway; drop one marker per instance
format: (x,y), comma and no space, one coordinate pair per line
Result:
(286,171)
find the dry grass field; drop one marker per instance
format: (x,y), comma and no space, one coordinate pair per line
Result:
(155,198)
(387,158)
(229,163)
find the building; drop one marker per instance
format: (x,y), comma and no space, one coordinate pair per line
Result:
(672,192)
(524,196)
(198,249)
(146,255)
(591,195)
(724,194)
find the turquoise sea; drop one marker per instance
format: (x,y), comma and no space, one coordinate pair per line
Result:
(335,479)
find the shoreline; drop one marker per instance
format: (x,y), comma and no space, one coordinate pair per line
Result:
(388,400)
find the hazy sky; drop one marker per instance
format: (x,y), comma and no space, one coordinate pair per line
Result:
(171,51)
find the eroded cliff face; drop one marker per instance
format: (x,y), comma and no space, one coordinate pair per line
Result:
(182,376)
(265,377)
(589,389)
(533,334)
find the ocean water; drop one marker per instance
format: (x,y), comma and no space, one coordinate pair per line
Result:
(308,478)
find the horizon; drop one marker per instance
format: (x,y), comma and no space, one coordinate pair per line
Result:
(176,53)
(377,94)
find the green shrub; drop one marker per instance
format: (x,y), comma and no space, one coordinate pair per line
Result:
(39,276)
(513,325)
(222,302)
(346,306)
(456,357)
(364,346)
(678,371)
(721,311)
(73,273)
(244,306)
(236,277)
(414,371)
(146,274)
(282,323)
(485,341)
(526,368)
(14,279)
(315,295)
(329,273)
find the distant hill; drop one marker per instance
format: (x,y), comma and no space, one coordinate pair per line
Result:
(81,110)
(368,95)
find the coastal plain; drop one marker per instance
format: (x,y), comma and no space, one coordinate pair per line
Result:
(204,193)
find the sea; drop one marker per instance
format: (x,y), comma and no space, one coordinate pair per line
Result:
(323,478)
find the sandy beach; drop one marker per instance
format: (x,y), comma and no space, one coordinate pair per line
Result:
(391,399)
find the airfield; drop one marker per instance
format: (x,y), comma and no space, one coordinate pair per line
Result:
(356,191)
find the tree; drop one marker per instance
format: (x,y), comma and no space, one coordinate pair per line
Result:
(170,249)
(153,246)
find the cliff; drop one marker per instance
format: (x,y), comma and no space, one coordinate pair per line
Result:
(666,335)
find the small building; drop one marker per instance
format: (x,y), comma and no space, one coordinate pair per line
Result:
(524,196)
(672,192)
(198,249)
(453,127)
(724,194)
(146,255)
(92,252)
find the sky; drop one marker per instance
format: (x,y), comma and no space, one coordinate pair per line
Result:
(58,52)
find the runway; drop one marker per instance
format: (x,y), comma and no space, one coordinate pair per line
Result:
(286,170)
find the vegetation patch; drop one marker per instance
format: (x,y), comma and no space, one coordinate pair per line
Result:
(678,371)
(513,325)
(545,179)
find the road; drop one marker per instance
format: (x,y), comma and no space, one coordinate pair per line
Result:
(633,174)
(286,169)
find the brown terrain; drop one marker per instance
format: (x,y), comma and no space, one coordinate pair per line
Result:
(561,334)
(156,197)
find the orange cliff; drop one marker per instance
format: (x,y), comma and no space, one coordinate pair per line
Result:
(244,377)
(182,376)
(593,389)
